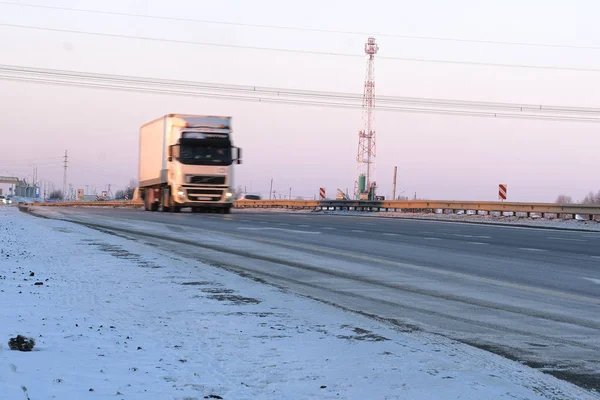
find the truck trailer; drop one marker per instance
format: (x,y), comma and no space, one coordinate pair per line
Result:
(187,161)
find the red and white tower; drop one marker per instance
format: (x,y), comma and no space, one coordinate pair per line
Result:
(365,184)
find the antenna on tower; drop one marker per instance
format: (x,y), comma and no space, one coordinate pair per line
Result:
(364,187)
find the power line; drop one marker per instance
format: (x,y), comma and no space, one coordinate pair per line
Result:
(299,29)
(178,41)
(286,101)
(414,110)
(18,72)
(297,51)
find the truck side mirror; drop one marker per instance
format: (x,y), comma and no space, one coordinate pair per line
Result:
(239,155)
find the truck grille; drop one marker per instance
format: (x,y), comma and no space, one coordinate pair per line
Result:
(207,180)
(205,194)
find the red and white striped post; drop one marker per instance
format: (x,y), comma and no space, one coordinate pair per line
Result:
(322,193)
(502,189)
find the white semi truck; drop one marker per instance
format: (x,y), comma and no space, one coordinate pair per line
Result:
(187,161)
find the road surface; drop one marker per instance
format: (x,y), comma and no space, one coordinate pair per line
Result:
(531,295)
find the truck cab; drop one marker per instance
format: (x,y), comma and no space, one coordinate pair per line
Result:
(194,166)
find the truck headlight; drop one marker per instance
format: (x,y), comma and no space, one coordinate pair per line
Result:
(228,195)
(181,194)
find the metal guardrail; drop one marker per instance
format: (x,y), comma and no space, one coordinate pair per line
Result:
(386,205)
(541,208)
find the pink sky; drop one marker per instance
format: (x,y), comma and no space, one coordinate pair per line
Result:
(439,157)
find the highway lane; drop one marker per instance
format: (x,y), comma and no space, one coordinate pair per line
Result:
(566,241)
(546,258)
(525,293)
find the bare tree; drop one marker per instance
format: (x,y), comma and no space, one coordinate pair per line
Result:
(120,195)
(591,198)
(128,192)
(237,193)
(130,189)
(56,195)
(564,199)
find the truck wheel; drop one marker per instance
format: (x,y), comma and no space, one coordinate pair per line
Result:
(165,203)
(148,206)
(227,210)
(149,203)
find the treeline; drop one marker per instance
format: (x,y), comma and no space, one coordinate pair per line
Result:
(590,198)
(128,192)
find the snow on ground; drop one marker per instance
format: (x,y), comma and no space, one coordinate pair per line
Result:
(118,319)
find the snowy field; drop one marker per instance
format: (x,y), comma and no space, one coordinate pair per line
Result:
(118,319)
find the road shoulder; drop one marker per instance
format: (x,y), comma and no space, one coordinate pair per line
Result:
(118,316)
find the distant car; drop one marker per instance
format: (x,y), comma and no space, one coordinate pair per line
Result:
(249,197)
(5,200)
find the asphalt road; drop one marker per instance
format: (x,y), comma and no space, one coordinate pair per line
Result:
(528,294)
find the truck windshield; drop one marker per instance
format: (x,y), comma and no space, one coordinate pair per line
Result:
(205,155)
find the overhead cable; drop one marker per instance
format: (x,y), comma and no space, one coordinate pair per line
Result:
(133,87)
(300,29)
(300,51)
(18,71)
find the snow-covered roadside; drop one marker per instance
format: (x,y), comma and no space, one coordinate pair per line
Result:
(116,318)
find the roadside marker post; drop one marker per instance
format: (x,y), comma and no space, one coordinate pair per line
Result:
(322,193)
(502,189)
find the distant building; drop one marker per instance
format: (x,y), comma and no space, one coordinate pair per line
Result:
(23,189)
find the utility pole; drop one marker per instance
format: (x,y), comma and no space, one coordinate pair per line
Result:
(290,193)
(34,174)
(271,190)
(65,176)
(394,184)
